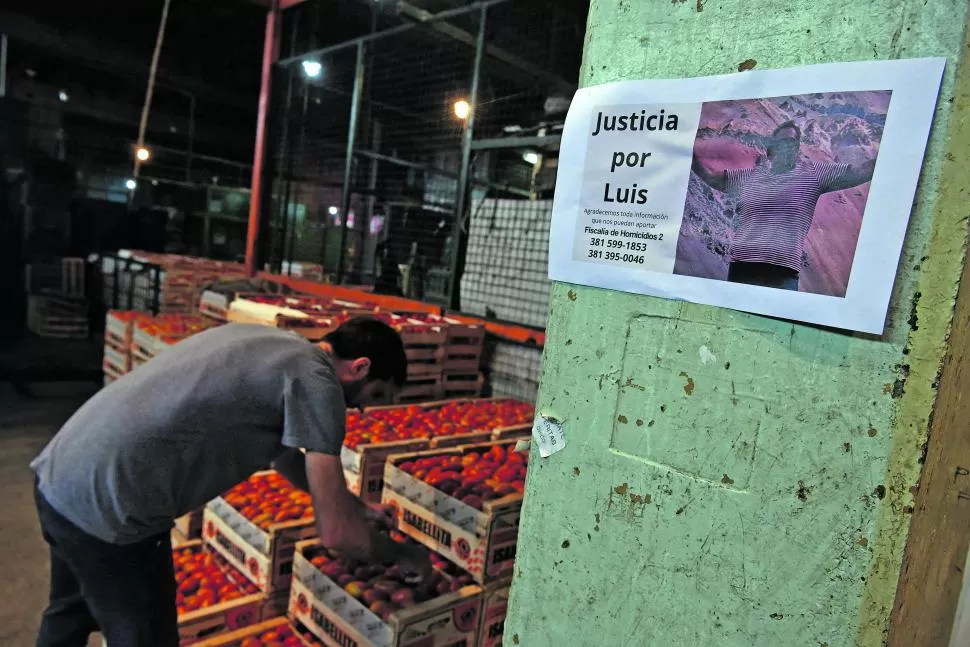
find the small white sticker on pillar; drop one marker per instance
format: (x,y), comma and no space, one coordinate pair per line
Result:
(548,434)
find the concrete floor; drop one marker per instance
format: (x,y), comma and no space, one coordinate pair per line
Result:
(26,424)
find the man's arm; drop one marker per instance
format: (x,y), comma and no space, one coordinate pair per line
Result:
(714,180)
(342,520)
(292,464)
(853,176)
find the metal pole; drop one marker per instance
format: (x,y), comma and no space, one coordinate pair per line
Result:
(3,65)
(461,200)
(349,163)
(271,53)
(188,153)
(152,71)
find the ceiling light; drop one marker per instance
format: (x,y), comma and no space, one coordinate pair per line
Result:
(62,95)
(130,184)
(143,154)
(531,158)
(462,109)
(312,69)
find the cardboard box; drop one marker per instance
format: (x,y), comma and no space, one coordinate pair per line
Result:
(495,606)
(339,620)
(482,542)
(232,614)
(265,557)
(236,638)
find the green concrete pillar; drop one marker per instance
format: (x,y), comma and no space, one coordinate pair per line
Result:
(787,522)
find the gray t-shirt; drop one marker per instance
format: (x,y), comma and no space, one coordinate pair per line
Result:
(188,425)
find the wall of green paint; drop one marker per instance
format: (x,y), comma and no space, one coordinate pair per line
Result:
(771,505)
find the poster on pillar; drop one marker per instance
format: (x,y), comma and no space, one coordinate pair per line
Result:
(784,193)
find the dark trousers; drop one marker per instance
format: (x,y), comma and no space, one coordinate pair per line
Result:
(125,591)
(763,274)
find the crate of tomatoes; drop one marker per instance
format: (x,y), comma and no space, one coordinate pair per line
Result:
(344,602)
(463,502)
(211,596)
(119,327)
(378,432)
(255,526)
(278,632)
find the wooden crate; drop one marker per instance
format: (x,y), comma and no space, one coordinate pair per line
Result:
(118,360)
(190,525)
(463,350)
(65,277)
(264,556)
(232,614)
(461,384)
(339,619)
(422,389)
(215,305)
(110,375)
(238,637)
(313,328)
(495,606)
(57,317)
(424,362)
(119,326)
(482,542)
(364,465)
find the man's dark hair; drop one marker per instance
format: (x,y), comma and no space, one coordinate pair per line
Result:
(375,340)
(788,125)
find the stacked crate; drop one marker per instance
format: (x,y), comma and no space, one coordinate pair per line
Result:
(119,328)
(153,335)
(255,527)
(424,345)
(377,432)
(169,282)
(56,304)
(212,595)
(464,345)
(309,317)
(472,524)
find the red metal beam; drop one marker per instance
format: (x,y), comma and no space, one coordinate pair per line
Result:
(271,54)
(284,4)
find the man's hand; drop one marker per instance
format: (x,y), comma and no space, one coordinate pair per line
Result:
(345,523)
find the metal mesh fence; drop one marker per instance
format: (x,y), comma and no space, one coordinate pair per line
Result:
(453,136)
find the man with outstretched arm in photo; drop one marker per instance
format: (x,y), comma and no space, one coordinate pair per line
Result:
(776,205)
(181,430)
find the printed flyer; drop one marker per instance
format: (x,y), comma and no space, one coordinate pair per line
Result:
(781,192)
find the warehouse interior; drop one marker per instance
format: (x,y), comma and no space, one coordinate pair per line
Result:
(365,119)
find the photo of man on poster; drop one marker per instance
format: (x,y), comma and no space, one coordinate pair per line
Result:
(776,202)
